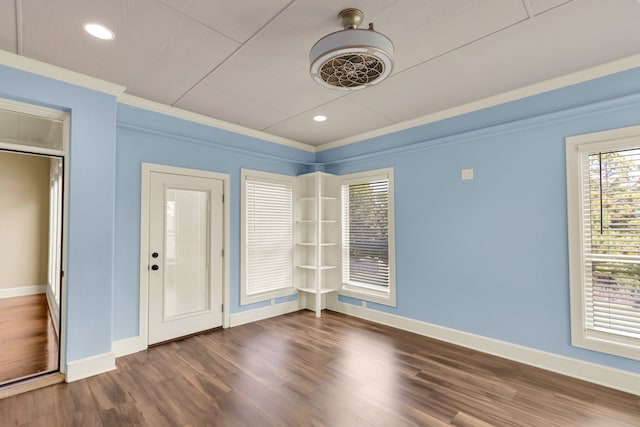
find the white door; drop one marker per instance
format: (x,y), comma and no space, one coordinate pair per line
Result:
(185,255)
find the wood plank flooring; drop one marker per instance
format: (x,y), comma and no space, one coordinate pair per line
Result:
(296,370)
(28,341)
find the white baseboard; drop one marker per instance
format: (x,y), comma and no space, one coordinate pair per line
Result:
(132,345)
(90,366)
(54,309)
(237,319)
(23,291)
(128,346)
(609,377)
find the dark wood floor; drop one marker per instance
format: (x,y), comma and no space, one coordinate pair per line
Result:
(296,370)
(28,341)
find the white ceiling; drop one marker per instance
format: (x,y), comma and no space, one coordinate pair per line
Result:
(246,62)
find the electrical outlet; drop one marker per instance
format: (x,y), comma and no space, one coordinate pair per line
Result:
(466,174)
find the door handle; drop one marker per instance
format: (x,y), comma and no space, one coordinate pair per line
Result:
(154,255)
(154,267)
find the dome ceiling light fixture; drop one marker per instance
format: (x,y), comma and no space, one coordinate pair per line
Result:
(352,58)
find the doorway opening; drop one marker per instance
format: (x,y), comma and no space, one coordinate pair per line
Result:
(30,264)
(32,181)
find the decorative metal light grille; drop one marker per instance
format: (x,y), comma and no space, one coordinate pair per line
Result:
(351,70)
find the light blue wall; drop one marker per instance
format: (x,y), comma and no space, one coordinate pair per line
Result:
(143,136)
(583,96)
(91,201)
(489,256)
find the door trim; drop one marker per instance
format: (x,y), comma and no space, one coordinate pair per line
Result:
(16,147)
(146,170)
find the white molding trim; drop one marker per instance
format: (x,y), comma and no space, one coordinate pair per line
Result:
(609,377)
(179,113)
(578,147)
(54,309)
(581,76)
(128,346)
(33,110)
(226,263)
(354,290)
(269,178)
(64,154)
(262,313)
(22,291)
(90,366)
(58,73)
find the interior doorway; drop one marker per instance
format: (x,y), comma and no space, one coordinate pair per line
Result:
(30,264)
(34,143)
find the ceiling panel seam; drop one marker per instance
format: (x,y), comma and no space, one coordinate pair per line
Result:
(192,19)
(306,111)
(173,104)
(462,46)
(554,7)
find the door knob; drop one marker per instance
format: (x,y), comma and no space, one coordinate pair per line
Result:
(154,267)
(154,255)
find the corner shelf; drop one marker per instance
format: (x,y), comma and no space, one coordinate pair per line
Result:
(316,248)
(322,267)
(322,291)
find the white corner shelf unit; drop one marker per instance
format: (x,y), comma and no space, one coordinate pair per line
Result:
(317,251)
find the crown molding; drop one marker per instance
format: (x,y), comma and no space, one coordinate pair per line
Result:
(583,112)
(58,73)
(33,66)
(598,71)
(61,74)
(179,113)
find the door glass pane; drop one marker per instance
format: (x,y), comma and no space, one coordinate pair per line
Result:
(186,284)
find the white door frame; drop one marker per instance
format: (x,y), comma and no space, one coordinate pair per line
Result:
(63,116)
(146,170)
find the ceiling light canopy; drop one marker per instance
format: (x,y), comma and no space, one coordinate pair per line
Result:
(352,58)
(98,31)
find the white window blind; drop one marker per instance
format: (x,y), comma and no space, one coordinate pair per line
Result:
(269,236)
(365,234)
(611,240)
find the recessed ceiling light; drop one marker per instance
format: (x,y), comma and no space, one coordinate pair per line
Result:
(98,31)
(319,118)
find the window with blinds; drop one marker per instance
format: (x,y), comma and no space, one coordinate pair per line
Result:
(612,241)
(365,233)
(603,199)
(268,237)
(367,236)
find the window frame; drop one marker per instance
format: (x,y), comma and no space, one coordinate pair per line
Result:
(266,177)
(576,147)
(371,293)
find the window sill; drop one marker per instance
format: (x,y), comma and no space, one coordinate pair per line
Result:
(368,294)
(607,343)
(266,296)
